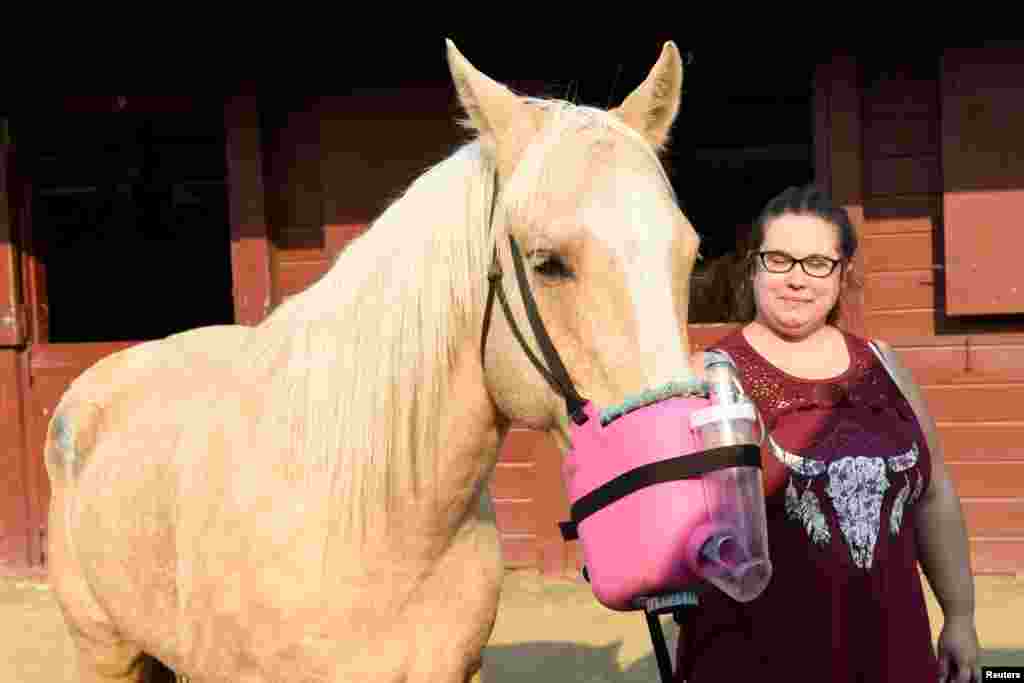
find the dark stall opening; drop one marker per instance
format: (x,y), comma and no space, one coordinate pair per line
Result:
(129,216)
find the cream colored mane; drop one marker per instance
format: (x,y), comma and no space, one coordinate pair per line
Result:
(359,361)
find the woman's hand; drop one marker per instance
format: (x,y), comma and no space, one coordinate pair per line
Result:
(959,651)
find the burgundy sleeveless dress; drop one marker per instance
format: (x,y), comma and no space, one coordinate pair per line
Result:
(845,465)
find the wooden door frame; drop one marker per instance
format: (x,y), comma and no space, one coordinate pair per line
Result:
(14,507)
(251,249)
(839,167)
(12,312)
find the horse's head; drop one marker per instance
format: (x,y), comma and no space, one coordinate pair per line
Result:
(605,250)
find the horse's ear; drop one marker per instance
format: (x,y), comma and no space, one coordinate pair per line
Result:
(652,107)
(492,109)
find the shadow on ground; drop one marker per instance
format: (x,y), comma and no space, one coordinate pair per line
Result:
(1002,658)
(565,662)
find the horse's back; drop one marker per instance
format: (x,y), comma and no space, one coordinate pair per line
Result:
(204,345)
(110,393)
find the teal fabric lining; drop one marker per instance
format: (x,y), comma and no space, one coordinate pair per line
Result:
(691,387)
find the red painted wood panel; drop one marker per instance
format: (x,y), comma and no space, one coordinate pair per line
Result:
(516,516)
(988,479)
(250,245)
(976,403)
(911,251)
(519,552)
(522,446)
(974,375)
(987,442)
(300,249)
(338,235)
(994,518)
(514,480)
(12,315)
(905,289)
(295,276)
(537,477)
(518,509)
(966,363)
(934,365)
(983,160)
(14,501)
(893,326)
(989,338)
(997,556)
(900,223)
(983,243)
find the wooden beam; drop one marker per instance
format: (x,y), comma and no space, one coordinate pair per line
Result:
(250,243)
(839,157)
(12,313)
(15,525)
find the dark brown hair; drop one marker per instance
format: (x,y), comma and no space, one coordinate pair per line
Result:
(808,200)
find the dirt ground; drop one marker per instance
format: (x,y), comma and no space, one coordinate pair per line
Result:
(547,630)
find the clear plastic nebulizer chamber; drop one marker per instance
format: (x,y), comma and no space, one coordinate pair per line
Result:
(730,551)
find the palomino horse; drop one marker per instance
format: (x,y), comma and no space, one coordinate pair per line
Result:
(306,500)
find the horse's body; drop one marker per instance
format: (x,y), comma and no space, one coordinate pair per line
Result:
(306,500)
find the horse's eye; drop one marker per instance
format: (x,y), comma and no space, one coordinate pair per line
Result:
(553,266)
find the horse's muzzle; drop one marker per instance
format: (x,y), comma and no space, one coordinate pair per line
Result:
(660,506)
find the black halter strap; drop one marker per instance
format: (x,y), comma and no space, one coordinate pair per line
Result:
(557,376)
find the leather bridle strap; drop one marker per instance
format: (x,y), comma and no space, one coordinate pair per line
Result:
(557,376)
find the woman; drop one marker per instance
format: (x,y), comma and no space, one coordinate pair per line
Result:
(856,490)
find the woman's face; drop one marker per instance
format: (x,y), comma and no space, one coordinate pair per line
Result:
(795,304)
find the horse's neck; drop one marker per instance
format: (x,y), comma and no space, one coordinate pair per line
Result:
(470,437)
(421,524)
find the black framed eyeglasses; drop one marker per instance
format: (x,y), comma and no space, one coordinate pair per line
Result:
(814,265)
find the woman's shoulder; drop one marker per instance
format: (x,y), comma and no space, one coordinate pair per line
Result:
(864,345)
(859,339)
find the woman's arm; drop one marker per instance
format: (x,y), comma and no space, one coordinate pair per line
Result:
(942,539)
(942,534)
